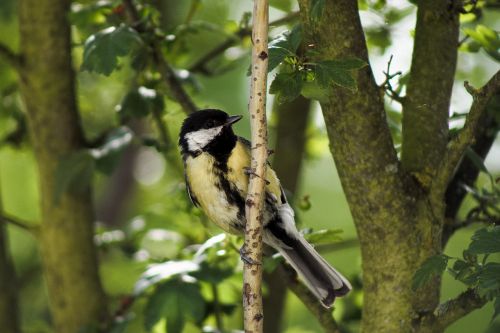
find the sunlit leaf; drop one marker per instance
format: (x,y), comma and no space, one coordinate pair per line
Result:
(433,266)
(159,272)
(324,236)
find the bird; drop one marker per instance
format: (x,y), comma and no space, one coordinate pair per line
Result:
(216,169)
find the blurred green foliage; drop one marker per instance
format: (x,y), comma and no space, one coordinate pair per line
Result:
(157,266)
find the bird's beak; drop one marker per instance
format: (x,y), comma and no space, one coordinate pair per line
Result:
(232,119)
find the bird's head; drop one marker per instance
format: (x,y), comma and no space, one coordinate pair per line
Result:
(203,128)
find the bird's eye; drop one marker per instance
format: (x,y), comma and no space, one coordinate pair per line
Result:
(210,123)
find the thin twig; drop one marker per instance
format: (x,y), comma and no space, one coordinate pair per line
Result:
(458,145)
(217,311)
(387,86)
(322,314)
(200,64)
(252,269)
(10,57)
(173,84)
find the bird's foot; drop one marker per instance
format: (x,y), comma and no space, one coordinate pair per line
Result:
(245,258)
(251,172)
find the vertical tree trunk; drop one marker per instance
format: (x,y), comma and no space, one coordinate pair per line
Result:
(66,234)
(397,226)
(290,142)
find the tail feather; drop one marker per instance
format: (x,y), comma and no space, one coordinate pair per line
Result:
(321,278)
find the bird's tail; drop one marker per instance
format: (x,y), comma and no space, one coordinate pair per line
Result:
(322,279)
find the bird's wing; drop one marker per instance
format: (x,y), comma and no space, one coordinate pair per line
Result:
(188,188)
(273,186)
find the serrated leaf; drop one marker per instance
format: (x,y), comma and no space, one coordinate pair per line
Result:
(277,55)
(215,261)
(489,278)
(324,236)
(485,240)
(433,266)
(74,172)
(338,72)
(287,86)
(102,50)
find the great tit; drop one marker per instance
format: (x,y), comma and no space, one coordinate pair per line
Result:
(216,163)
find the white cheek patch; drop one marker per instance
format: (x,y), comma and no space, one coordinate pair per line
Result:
(199,139)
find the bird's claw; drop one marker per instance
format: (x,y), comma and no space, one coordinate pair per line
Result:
(246,259)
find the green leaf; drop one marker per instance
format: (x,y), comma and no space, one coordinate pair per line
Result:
(276,56)
(489,278)
(317,7)
(496,307)
(476,160)
(287,86)
(177,301)
(140,102)
(485,240)
(433,266)
(101,50)
(160,272)
(324,236)
(338,72)
(283,5)
(284,45)
(217,262)
(74,173)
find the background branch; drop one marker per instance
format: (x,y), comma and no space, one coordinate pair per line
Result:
(31,227)
(252,269)
(200,64)
(10,57)
(467,136)
(449,312)
(173,84)
(322,314)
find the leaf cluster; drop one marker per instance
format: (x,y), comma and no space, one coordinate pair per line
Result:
(299,75)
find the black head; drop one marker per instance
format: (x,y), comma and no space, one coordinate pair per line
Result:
(208,130)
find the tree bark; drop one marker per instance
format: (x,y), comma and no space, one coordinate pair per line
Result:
(427,102)
(66,244)
(397,226)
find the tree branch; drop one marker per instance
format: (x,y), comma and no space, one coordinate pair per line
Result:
(200,64)
(252,269)
(10,57)
(449,312)
(322,314)
(169,77)
(425,111)
(468,135)
(31,227)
